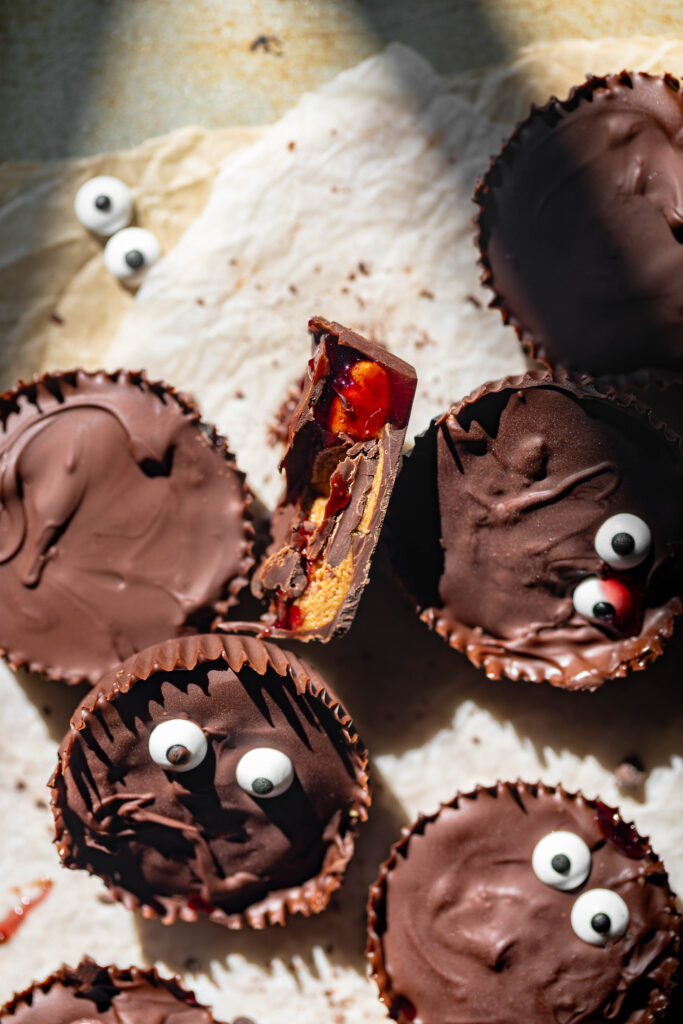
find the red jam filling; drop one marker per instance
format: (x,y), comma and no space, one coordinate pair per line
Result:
(339,497)
(361,401)
(621,833)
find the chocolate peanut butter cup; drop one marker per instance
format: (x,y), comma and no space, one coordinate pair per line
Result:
(538,525)
(89,994)
(123,521)
(212,775)
(580,227)
(521,902)
(345,442)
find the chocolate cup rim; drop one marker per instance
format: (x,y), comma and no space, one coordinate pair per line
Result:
(639,651)
(310,896)
(375,907)
(219,444)
(65,974)
(582,92)
(660,379)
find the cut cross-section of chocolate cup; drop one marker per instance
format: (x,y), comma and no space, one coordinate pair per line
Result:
(123,521)
(538,525)
(344,452)
(212,775)
(521,902)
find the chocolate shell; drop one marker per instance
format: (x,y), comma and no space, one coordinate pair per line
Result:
(580,227)
(521,902)
(123,521)
(345,442)
(89,994)
(212,775)
(494,529)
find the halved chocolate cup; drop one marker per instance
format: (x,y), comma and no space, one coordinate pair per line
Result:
(505,905)
(212,775)
(123,520)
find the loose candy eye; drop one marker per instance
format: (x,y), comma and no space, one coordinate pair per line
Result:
(609,602)
(561,859)
(177,745)
(623,541)
(130,253)
(599,915)
(104,205)
(265,772)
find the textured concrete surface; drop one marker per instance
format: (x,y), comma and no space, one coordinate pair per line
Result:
(86,76)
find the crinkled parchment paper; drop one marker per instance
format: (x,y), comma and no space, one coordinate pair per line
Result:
(356,206)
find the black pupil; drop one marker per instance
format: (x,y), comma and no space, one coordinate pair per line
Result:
(134,258)
(601,923)
(103,202)
(262,786)
(623,543)
(178,754)
(561,863)
(603,610)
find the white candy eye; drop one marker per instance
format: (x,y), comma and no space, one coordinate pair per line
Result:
(591,600)
(130,253)
(265,772)
(599,915)
(623,541)
(104,205)
(561,859)
(177,745)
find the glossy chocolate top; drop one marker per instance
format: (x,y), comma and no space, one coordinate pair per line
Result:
(581,226)
(527,471)
(89,994)
(463,930)
(216,834)
(122,522)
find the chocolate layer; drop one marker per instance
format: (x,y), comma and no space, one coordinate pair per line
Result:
(494,525)
(345,442)
(463,931)
(89,994)
(122,522)
(181,843)
(581,225)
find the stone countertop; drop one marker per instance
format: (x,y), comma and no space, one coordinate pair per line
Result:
(85,76)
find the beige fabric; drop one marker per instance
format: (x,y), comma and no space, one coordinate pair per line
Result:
(432,723)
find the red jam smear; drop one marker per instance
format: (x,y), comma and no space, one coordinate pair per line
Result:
(287,616)
(196,902)
(20,911)
(361,402)
(339,498)
(404,1009)
(621,833)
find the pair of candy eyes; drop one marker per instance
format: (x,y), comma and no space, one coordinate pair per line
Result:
(622,542)
(105,205)
(563,860)
(179,745)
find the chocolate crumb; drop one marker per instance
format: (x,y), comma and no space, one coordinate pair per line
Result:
(364,268)
(47,710)
(239,393)
(40,804)
(232,261)
(243,1020)
(317,268)
(56,318)
(423,340)
(476,740)
(192,964)
(291,145)
(293,289)
(630,776)
(269,44)
(344,290)
(424,293)
(105,898)
(199,301)
(19,785)
(473,300)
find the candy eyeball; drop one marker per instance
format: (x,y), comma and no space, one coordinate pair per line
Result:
(104,205)
(599,915)
(265,772)
(562,860)
(608,602)
(623,541)
(130,253)
(178,745)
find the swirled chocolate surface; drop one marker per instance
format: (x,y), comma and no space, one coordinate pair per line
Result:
(526,471)
(181,843)
(122,522)
(89,994)
(581,226)
(462,930)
